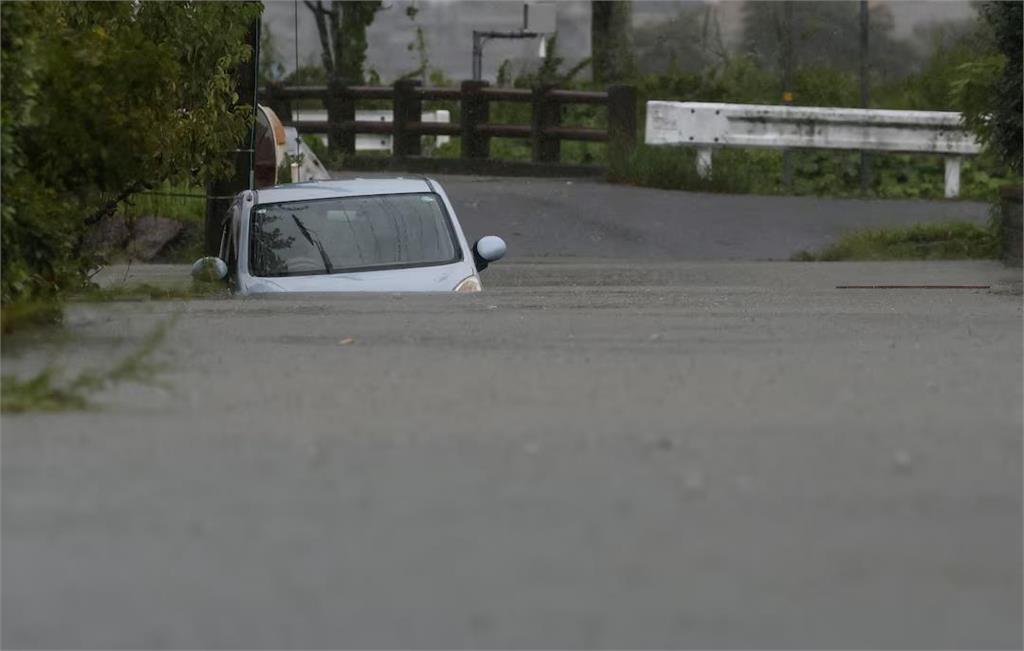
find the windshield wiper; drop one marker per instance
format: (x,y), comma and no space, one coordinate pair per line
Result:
(315,242)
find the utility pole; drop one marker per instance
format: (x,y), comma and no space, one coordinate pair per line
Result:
(788,55)
(219,193)
(865,158)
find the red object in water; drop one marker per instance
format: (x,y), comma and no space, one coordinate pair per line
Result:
(913,286)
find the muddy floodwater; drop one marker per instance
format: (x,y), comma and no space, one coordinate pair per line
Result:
(589,454)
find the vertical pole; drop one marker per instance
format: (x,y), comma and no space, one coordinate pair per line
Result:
(788,55)
(475,111)
(546,113)
(622,126)
(341,109)
(952,176)
(478,55)
(865,158)
(221,192)
(704,162)
(407,109)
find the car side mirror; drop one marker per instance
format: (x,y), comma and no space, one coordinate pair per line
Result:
(209,269)
(487,250)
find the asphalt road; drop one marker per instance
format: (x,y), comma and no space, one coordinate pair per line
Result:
(589,454)
(588,218)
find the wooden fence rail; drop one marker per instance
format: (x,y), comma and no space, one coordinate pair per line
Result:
(545,130)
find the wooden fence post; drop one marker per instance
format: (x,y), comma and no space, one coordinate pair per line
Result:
(475,111)
(546,113)
(341,108)
(622,126)
(407,108)
(1011,223)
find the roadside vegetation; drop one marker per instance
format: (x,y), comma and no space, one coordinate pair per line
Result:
(52,390)
(102,102)
(967,66)
(948,241)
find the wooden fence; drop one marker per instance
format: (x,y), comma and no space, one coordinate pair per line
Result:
(545,131)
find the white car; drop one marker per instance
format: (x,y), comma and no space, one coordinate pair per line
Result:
(358,235)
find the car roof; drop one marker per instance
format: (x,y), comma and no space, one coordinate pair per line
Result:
(340,188)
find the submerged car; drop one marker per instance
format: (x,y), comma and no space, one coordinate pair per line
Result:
(357,235)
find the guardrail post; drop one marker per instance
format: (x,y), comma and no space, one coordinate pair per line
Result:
(340,109)
(952,176)
(280,106)
(546,113)
(475,111)
(704,162)
(407,108)
(621,125)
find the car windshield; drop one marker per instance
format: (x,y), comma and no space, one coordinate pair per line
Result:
(353,233)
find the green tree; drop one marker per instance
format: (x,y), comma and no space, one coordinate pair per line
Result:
(826,35)
(100,101)
(989,91)
(690,41)
(611,40)
(341,27)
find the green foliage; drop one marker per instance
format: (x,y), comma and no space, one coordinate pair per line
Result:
(962,60)
(42,392)
(948,241)
(341,27)
(989,91)
(27,314)
(318,146)
(674,168)
(816,172)
(932,88)
(48,391)
(147,292)
(820,86)
(611,38)
(691,41)
(100,101)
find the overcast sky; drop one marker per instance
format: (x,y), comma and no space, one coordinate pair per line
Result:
(448,26)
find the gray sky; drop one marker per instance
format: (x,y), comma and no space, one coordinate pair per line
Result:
(448,26)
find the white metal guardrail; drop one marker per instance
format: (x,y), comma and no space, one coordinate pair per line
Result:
(708,125)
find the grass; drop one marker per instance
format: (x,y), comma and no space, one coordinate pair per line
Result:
(675,168)
(815,172)
(49,391)
(942,241)
(29,314)
(147,292)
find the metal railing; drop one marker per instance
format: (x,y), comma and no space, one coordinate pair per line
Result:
(707,126)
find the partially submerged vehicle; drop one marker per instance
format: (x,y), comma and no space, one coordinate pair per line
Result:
(352,235)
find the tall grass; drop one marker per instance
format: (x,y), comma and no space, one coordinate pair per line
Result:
(947,241)
(815,172)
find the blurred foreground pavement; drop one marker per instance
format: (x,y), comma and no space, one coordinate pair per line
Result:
(588,454)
